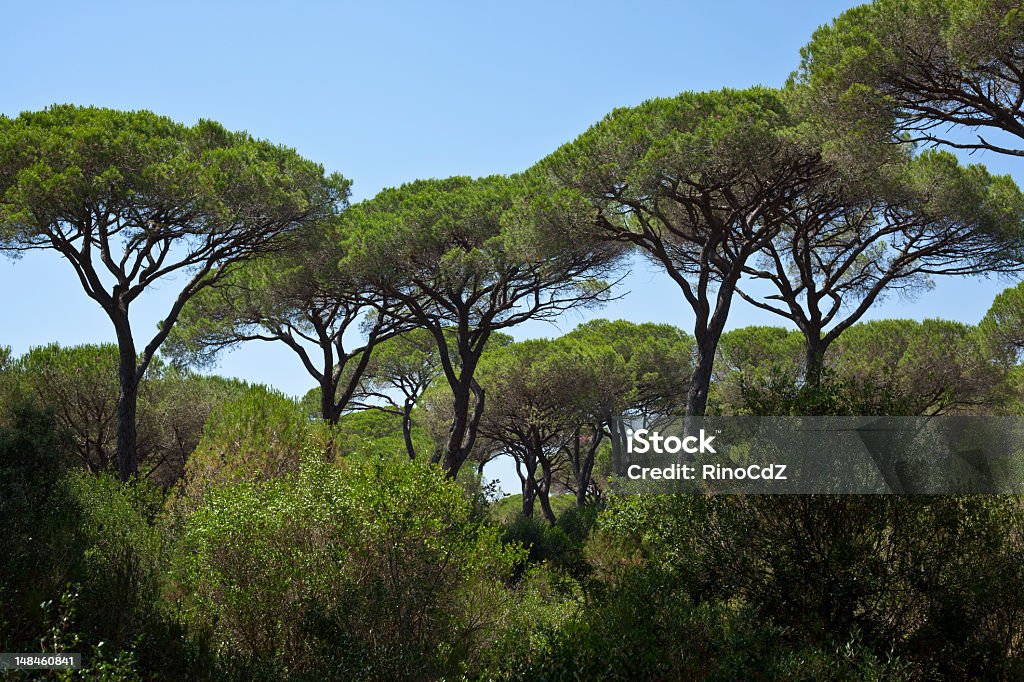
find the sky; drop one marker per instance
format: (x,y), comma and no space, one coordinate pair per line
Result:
(389,92)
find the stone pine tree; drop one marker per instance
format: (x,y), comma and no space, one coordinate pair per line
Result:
(133,201)
(658,363)
(930,69)
(696,183)
(467,258)
(298,297)
(845,245)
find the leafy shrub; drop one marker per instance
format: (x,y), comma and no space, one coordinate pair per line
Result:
(79,385)
(83,541)
(378,431)
(254,436)
(540,605)
(37,522)
(120,570)
(560,545)
(851,585)
(372,569)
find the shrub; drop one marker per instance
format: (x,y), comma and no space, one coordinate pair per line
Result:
(368,568)
(83,541)
(37,523)
(254,436)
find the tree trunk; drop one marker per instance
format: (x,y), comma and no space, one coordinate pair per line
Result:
(127,403)
(545,505)
(707,332)
(529,495)
(528,483)
(620,457)
(583,465)
(452,458)
(581,494)
(407,427)
(544,492)
(700,380)
(328,411)
(814,359)
(462,434)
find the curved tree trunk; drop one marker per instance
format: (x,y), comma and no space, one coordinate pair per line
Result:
(544,491)
(462,435)
(407,427)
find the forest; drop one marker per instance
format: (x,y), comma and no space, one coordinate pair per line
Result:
(169,523)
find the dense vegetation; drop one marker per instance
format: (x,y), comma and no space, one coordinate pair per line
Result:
(176,525)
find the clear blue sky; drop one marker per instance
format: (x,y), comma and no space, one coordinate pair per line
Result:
(389,92)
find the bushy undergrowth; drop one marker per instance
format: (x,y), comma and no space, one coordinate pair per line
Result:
(370,569)
(373,567)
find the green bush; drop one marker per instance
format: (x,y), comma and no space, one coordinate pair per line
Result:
(84,542)
(854,584)
(37,523)
(119,573)
(370,569)
(256,435)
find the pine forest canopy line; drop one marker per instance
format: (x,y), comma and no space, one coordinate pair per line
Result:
(819,189)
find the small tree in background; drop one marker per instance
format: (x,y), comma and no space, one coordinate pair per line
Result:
(297,297)
(79,385)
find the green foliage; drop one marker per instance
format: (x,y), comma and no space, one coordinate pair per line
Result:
(921,65)
(176,406)
(1002,328)
(648,628)
(36,520)
(372,567)
(120,666)
(257,435)
(712,136)
(694,182)
(658,359)
(540,605)
(54,161)
(754,356)
(406,364)
(375,431)
(843,585)
(461,238)
(882,367)
(119,573)
(907,367)
(74,528)
(544,543)
(80,385)
(300,550)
